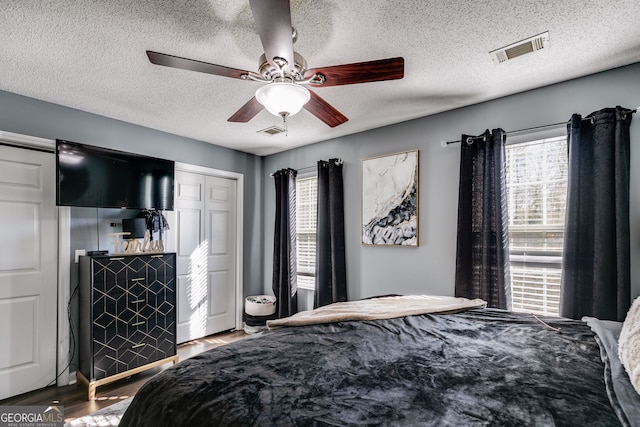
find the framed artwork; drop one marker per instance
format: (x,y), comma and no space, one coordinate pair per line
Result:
(390,200)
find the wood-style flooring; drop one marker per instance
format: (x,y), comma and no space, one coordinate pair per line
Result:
(74,397)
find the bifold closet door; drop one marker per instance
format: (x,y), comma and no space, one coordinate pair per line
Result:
(205,218)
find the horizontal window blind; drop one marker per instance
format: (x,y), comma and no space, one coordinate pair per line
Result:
(306,213)
(536,181)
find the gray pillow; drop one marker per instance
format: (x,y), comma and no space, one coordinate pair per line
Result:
(623,397)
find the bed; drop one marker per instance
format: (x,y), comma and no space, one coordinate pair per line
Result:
(445,366)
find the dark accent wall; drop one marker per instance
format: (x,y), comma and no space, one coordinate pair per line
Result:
(430,268)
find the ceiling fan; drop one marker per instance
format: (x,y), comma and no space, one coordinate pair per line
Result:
(285,71)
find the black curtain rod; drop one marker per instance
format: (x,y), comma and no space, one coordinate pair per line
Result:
(340,161)
(445,143)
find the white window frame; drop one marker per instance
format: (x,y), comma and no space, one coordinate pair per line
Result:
(541,264)
(306,276)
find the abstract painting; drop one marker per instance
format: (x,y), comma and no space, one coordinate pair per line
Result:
(390,200)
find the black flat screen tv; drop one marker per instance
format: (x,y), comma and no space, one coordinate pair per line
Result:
(92,176)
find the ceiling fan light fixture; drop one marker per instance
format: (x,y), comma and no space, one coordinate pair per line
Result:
(283,98)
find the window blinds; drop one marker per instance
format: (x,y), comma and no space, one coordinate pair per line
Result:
(536,175)
(306,213)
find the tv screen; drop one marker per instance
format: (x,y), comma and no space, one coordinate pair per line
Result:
(91,176)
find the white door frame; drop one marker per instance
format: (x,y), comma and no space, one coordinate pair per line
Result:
(239,178)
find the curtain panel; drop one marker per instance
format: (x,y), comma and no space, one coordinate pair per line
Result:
(482,254)
(285,272)
(331,270)
(596,259)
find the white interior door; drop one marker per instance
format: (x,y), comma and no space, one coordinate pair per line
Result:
(205,218)
(28,270)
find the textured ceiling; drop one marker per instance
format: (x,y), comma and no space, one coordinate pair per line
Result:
(90,55)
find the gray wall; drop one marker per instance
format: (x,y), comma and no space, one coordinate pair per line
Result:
(371,270)
(90,226)
(430,268)
(29,116)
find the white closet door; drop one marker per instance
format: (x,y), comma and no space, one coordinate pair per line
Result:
(205,218)
(220,232)
(28,270)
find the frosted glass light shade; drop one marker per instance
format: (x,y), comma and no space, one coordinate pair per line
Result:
(282,98)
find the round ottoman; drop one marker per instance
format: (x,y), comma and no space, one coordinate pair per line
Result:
(257,310)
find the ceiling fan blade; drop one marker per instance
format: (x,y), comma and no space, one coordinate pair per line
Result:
(247,112)
(324,111)
(273,19)
(361,72)
(193,65)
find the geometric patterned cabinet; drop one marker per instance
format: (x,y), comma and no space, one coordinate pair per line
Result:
(127,316)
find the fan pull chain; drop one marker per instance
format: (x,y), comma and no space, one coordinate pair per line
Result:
(284,122)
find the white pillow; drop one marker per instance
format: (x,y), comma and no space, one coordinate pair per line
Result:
(629,344)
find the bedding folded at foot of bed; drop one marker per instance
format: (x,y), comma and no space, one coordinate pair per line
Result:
(389,307)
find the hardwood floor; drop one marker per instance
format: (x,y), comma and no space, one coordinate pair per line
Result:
(74,397)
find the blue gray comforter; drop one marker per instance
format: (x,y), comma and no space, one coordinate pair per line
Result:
(479,367)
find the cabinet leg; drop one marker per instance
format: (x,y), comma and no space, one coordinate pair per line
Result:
(91,391)
(93,385)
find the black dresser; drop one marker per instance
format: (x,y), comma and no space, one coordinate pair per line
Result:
(127,316)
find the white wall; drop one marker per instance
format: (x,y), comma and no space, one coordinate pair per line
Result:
(430,268)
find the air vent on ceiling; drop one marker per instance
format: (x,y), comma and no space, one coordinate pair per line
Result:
(532,44)
(270,131)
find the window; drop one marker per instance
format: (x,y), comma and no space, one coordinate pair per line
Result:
(306,214)
(536,182)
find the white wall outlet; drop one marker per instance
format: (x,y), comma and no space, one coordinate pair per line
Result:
(79,253)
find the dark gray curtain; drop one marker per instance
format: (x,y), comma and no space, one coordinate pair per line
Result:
(331,270)
(595,261)
(284,244)
(482,256)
